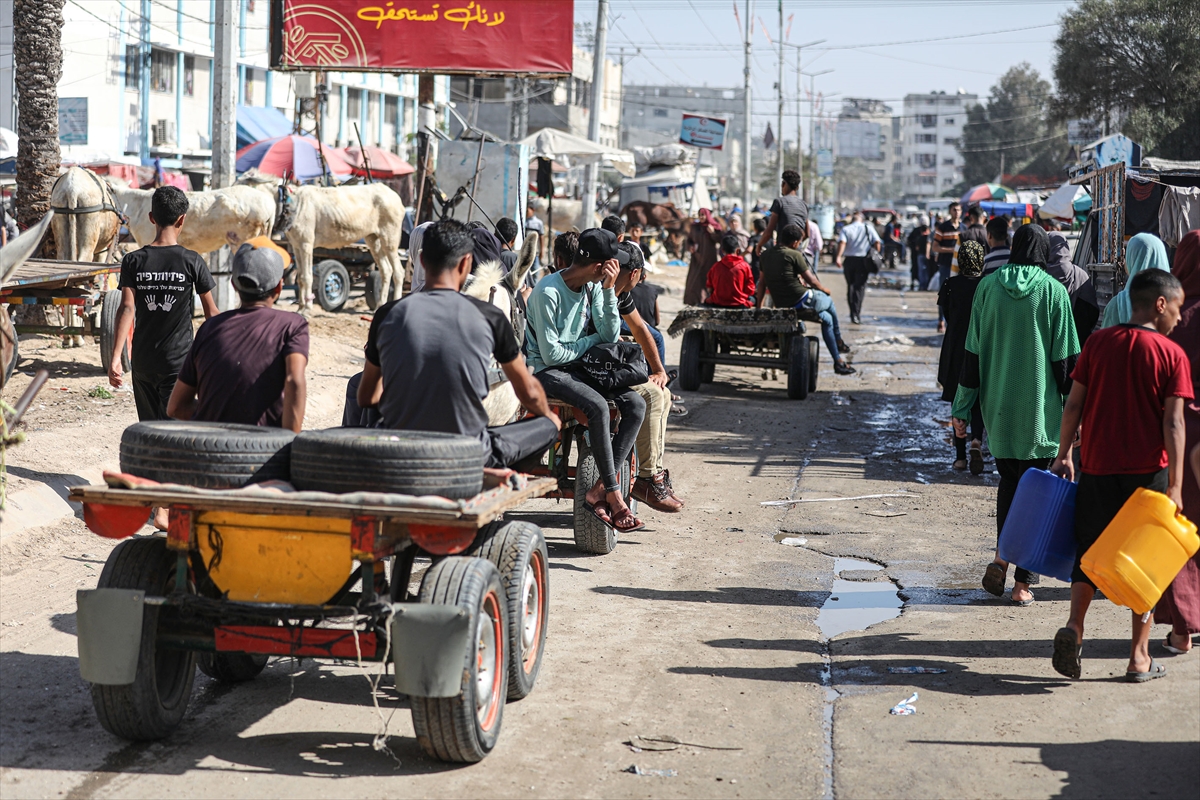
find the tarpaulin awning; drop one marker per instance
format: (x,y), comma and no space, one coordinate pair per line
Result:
(293,155)
(384,164)
(1061,204)
(255,123)
(572,151)
(1019,210)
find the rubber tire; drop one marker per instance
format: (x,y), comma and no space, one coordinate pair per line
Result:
(690,368)
(708,370)
(797,388)
(231,667)
(372,289)
(211,455)
(515,547)
(137,711)
(448,728)
(592,535)
(814,356)
(110,306)
(344,460)
(333,271)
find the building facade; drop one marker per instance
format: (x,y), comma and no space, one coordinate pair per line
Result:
(930,138)
(864,130)
(137,82)
(651,115)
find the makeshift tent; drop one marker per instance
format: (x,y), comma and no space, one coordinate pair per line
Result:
(255,123)
(573,151)
(1065,203)
(679,185)
(383,163)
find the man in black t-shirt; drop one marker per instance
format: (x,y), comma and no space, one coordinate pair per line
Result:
(788,209)
(157,286)
(428,356)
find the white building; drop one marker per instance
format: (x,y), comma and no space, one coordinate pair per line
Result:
(930,136)
(864,131)
(137,81)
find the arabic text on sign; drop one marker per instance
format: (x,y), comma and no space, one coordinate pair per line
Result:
(464,15)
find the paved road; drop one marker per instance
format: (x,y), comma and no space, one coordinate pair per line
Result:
(703,627)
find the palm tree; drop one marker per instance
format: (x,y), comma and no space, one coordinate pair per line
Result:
(37,62)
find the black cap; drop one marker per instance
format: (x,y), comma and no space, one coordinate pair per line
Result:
(597,244)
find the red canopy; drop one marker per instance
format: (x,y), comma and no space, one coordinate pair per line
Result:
(383,164)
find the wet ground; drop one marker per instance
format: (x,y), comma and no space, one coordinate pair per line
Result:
(786,631)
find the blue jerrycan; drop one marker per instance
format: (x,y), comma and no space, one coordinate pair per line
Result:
(1039,532)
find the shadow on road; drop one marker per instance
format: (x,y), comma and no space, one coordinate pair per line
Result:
(736,595)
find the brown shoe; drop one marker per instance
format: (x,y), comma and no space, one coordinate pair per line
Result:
(671,487)
(654,493)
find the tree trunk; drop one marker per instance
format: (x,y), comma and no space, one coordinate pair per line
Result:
(37,62)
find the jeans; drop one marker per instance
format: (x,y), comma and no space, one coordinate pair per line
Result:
(923,273)
(857,269)
(822,305)
(519,440)
(151,393)
(960,445)
(655,334)
(1011,470)
(562,385)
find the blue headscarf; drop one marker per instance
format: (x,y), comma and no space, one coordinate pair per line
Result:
(1144,251)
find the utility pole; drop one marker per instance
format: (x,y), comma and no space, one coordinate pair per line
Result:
(812,142)
(426,143)
(592,172)
(144,84)
(747,112)
(224,116)
(799,117)
(779,120)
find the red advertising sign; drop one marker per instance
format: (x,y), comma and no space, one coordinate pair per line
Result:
(449,36)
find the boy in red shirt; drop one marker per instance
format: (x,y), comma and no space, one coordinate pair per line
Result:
(730,282)
(1130,387)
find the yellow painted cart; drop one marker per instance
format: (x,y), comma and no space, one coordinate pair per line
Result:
(244,574)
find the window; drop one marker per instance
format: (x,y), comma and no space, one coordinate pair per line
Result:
(948,162)
(926,138)
(952,141)
(189,76)
(927,120)
(162,71)
(660,112)
(926,160)
(391,110)
(948,121)
(928,180)
(898,150)
(353,104)
(947,181)
(132,66)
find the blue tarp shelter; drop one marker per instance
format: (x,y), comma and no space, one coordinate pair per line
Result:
(255,123)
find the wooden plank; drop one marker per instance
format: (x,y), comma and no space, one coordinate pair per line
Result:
(476,514)
(35,271)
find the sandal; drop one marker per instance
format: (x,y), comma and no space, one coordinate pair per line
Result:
(678,410)
(993,579)
(626,516)
(1067,652)
(976,458)
(1156,670)
(600,511)
(1172,649)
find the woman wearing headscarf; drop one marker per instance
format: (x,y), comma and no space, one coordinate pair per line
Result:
(1180,604)
(1144,251)
(736,228)
(955,298)
(1084,308)
(703,238)
(1021,346)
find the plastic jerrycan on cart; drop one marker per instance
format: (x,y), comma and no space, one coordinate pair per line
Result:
(1141,551)
(1039,532)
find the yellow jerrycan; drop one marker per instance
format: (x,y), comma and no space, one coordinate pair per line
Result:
(1141,551)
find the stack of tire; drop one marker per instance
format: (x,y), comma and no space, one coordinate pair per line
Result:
(216,455)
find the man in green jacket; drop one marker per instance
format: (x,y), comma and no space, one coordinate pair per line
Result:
(1021,347)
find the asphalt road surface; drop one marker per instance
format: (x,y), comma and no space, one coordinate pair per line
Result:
(707,626)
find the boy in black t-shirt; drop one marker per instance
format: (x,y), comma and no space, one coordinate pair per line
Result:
(157,283)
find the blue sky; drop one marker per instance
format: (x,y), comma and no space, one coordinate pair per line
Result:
(698,42)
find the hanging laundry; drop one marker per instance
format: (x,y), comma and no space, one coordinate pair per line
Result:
(1179,213)
(1142,199)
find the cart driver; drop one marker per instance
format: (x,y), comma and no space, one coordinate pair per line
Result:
(428,356)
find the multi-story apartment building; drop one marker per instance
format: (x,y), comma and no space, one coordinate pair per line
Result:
(137,81)
(865,130)
(651,115)
(930,137)
(495,104)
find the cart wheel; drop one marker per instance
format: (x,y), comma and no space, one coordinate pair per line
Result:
(592,535)
(518,549)
(109,307)
(690,368)
(154,704)
(465,727)
(708,369)
(332,285)
(797,357)
(814,354)
(372,289)
(231,667)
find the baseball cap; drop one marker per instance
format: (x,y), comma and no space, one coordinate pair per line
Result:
(597,244)
(258,265)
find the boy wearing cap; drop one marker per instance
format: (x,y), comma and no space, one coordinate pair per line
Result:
(247,365)
(560,308)
(158,283)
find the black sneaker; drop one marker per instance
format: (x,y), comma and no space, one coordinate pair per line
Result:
(843,368)
(843,348)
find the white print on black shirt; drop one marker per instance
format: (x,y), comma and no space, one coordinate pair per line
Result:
(167,302)
(174,277)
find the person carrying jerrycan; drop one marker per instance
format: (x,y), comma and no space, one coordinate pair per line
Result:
(1130,387)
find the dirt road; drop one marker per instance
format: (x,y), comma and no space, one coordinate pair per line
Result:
(703,627)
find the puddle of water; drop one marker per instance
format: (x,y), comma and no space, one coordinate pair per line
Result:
(856,605)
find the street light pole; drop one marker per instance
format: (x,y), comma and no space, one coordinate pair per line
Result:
(747,194)
(779,119)
(799,118)
(592,170)
(812,143)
